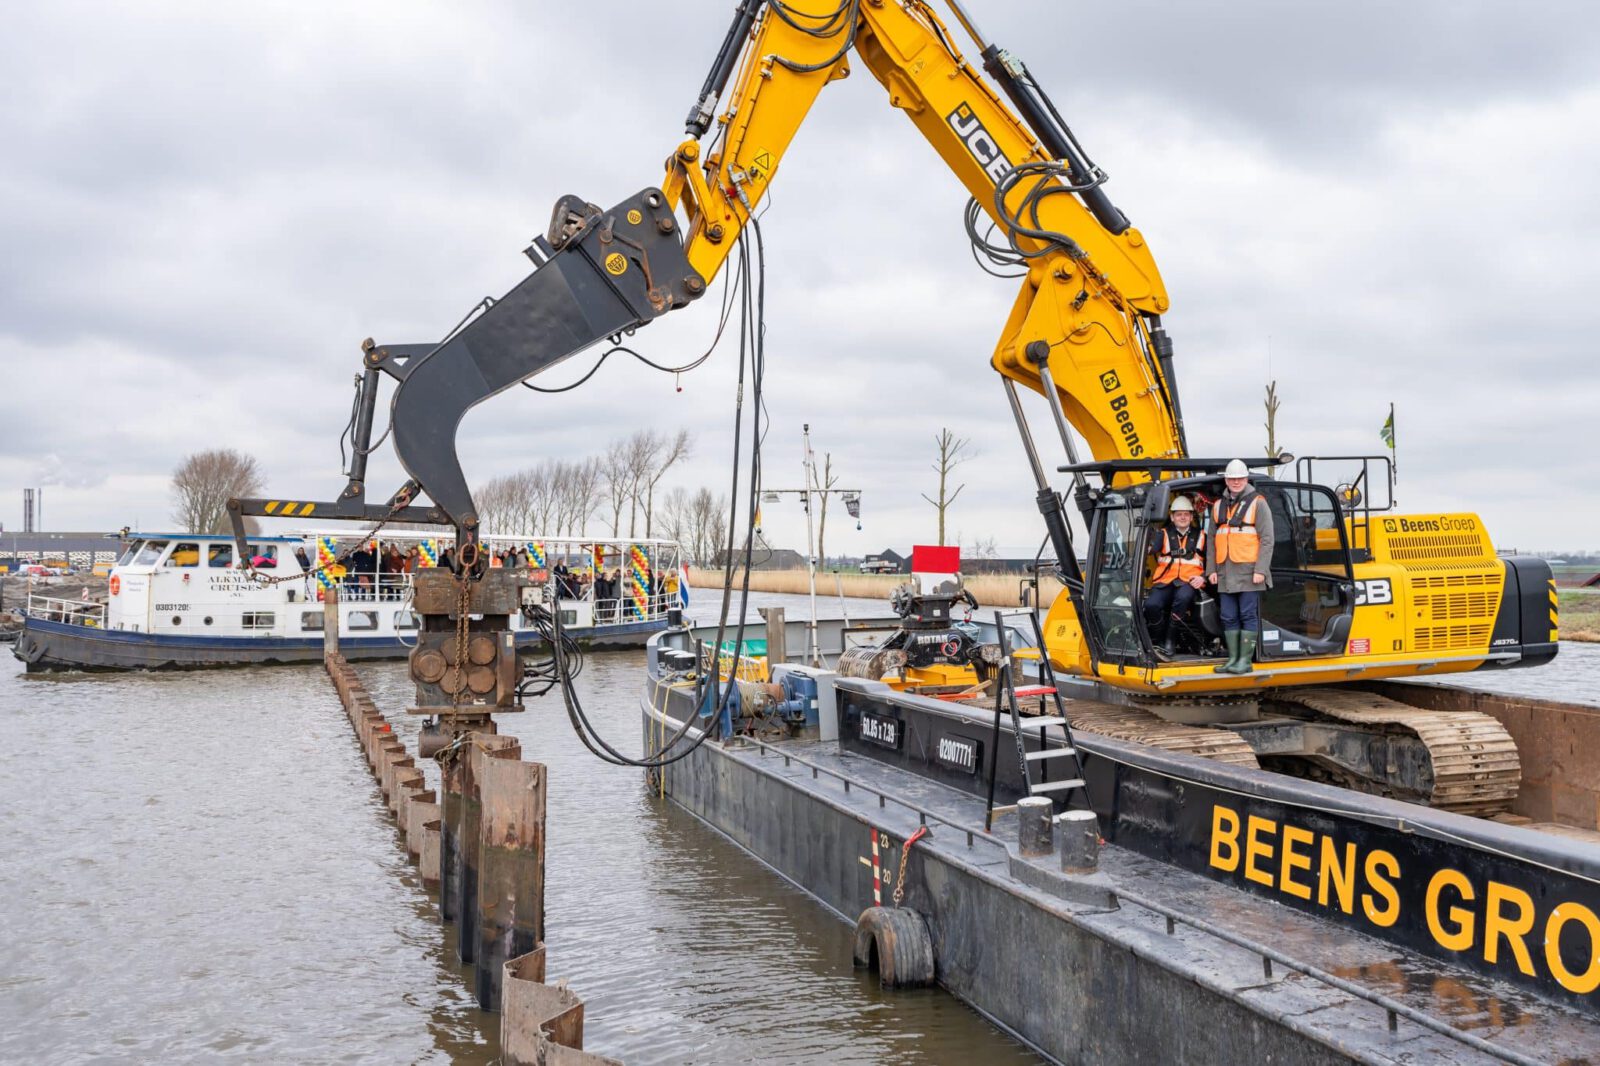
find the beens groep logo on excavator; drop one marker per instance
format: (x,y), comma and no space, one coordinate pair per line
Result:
(980,142)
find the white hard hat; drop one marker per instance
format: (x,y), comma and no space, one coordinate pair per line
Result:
(1181,503)
(1236,468)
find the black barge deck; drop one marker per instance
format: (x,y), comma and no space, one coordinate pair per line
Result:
(1161,956)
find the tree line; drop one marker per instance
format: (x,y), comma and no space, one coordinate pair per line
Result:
(558,497)
(621,487)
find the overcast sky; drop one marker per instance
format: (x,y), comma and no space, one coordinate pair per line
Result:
(205,207)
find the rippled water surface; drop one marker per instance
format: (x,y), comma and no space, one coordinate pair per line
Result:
(199,867)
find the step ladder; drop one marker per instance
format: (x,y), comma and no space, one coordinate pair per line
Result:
(1036,765)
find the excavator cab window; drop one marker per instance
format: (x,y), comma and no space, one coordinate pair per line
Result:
(1116,567)
(1308,609)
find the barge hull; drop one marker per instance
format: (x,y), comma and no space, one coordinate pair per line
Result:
(1085,998)
(45,646)
(1070,965)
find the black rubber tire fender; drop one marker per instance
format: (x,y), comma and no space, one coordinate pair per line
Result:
(896,941)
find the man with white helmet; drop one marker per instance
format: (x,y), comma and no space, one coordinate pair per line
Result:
(1239,562)
(1179,575)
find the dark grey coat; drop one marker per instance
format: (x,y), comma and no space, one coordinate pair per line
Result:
(1235,577)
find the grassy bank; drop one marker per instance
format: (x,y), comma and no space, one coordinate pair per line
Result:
(991,590)
(1580,615)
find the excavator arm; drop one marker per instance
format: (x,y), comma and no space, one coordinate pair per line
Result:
(1085,325)
(1084,331)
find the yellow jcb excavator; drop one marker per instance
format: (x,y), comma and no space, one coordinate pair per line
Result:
(1357,593)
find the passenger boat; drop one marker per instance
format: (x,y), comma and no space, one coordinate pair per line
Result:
(181,600)
(1232,914)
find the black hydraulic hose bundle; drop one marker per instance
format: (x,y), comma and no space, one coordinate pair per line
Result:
(752,330)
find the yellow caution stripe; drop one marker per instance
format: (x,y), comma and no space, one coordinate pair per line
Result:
(292,509)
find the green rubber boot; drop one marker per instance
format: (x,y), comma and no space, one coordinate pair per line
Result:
(1230,637)
(1247,652)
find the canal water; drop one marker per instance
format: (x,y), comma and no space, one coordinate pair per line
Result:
(198,867)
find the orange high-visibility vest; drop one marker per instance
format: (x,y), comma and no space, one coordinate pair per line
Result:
(1235,536)
(1187,563)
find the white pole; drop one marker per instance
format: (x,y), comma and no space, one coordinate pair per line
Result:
(811,551)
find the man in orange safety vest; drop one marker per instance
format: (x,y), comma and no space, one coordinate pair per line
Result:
(1239,562)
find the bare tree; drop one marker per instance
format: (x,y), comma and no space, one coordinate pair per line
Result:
(1272,419)
(824,481)
(583,488)
(203,484)
(952,453)
(677,516)
(615,471)
(505,503)
(671,451)
(698,522)
(982,548)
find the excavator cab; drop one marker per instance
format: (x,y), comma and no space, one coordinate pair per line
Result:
(1306,613)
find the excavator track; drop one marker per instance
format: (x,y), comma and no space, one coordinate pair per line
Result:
(1476,768)
(1141,727)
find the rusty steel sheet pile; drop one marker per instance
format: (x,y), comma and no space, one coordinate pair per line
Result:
(481,846)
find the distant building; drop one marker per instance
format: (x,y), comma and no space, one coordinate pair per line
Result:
(996,566)
(73,549)
(762,558)
(887,561)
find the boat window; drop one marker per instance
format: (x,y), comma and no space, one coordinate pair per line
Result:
(258,620)
(185,554)
(128,553)
(310,621)
(569,618)
(150,552)
(264,556)
(362,620)
(220,554)
(406,620)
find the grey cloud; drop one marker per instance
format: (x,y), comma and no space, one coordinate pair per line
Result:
(210,206)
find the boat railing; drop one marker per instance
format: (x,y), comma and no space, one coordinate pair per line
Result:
(395,587)
(90,613)
(374,588)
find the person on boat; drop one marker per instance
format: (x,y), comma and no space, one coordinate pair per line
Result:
(1239,564)
(302,558)
(1178,577)
(413,560)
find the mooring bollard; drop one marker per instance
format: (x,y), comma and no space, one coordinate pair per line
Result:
(1080,842)
(510,869)
(478,748)
(1033,825)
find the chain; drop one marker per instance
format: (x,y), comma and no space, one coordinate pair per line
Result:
(905,854)
(339,560)
(463,618)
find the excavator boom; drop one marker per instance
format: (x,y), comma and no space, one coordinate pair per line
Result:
(1085,329)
